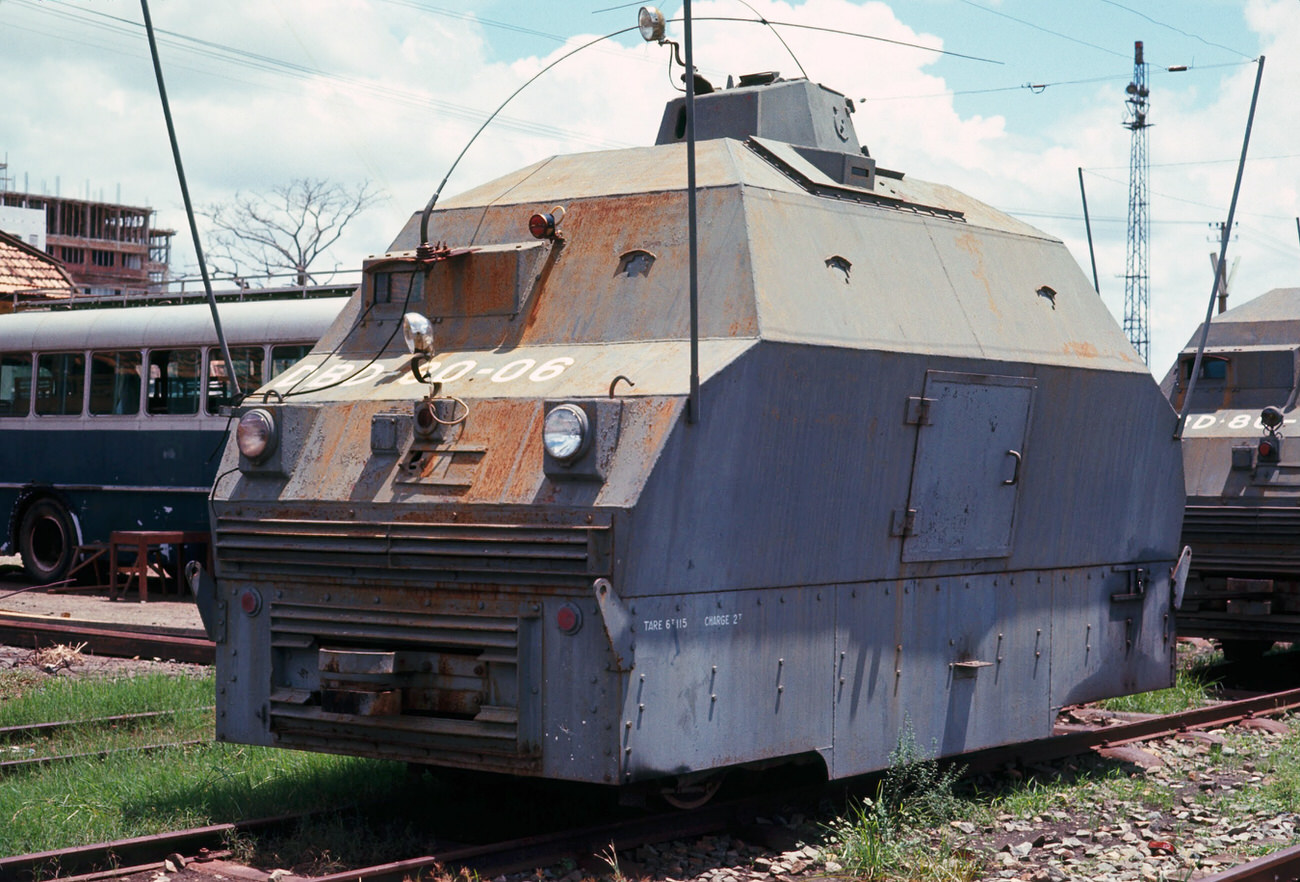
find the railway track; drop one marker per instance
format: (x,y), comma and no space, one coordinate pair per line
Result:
(492,859)
(114,640)
(45,730)
(1281,866)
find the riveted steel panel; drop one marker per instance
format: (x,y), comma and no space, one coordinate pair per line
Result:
(1108,638)
(727,677)
(946,665)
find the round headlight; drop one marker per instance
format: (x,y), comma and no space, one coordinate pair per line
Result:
(256,434)
(650,21)
(417,331)
(564,432)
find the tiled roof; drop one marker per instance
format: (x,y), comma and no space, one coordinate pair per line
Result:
(25,270)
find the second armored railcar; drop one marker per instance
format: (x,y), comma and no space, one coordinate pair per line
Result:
(929,491)
(1243,476)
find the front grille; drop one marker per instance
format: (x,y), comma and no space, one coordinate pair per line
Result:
(404,626)
(456,552)
(1243,540)
(446,656)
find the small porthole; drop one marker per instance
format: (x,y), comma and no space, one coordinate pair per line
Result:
(840,265)
(635,263)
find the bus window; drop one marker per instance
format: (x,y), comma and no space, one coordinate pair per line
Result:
(285,357)
(115,383)
(174,381)
(15,385)
(248,369)
(60,382)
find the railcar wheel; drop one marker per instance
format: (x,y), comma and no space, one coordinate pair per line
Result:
(688,795)
(1244,651)
(47,540)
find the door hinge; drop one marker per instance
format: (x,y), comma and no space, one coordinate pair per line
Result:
(918,411)
(903,523)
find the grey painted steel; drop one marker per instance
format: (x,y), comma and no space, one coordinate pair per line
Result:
(1242,513)
(935,493)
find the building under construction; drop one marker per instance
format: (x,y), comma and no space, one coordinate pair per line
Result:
(108,250)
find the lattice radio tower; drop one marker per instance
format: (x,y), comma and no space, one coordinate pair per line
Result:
(1137,290)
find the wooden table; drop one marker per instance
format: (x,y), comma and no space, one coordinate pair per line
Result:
(145,543)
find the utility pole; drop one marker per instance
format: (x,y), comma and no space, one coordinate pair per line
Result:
(1225,275)
(1137,291)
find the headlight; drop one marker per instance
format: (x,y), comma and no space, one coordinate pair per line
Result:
(650,22)
(256,435)
(417,331)
(565,432)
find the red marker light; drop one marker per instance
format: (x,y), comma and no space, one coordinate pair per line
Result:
(568,619)
(542,226)
(1265,447)
(250,602)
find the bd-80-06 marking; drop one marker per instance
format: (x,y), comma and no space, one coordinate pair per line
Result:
(435,371)
(1237,421)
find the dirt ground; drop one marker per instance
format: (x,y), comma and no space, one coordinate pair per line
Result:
(161,610)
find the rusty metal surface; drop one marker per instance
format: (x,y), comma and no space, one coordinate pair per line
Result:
(1281,866)
(136,851)
(1076,741)
(110,641)
(824,555)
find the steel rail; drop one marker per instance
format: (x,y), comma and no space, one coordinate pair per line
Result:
(11,765)
(1280,866)
(550,848)
(135,852)
(1077,742)
(545,849)
(111,640)
(9,732)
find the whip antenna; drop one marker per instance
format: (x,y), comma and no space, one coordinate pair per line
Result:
(231,373)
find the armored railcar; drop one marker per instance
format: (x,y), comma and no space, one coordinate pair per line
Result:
(1243,476)
(929,490)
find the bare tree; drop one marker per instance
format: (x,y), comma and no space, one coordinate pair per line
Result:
(286,229)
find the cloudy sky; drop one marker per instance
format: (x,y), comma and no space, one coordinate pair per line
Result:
(389,91)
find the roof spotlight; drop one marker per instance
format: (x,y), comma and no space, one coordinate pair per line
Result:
(1271,417)
(650,21)
(417,331)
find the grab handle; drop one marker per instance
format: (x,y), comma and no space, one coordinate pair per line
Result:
(1015,475)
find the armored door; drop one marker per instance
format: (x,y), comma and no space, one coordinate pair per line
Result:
(970,448)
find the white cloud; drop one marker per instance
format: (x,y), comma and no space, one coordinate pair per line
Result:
(405,89)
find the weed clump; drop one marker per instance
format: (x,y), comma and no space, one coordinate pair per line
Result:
(893,834)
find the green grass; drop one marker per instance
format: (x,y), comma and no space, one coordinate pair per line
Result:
(1190,690)
(186,725)
(893,834)
(42,698)
(905,833)
(134,794)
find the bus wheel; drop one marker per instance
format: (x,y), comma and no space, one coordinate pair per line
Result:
(47,540)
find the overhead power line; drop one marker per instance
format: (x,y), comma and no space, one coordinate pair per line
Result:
(226,54)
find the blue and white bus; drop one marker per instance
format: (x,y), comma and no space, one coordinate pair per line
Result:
(110,419)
